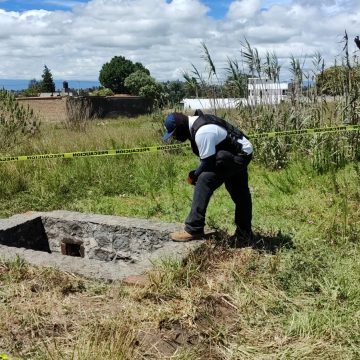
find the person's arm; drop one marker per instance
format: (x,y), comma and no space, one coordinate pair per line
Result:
(207,164)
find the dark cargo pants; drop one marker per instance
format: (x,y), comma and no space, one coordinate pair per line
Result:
(230,170)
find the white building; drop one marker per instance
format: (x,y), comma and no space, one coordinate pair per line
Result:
(211,104)
(266,91)
(260,91)
(50,94)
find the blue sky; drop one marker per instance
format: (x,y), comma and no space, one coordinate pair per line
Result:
(23,5)
(218,8)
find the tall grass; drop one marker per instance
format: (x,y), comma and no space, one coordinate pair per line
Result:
(307,108)
(296,297)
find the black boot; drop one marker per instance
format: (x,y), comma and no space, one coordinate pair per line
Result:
(242,238)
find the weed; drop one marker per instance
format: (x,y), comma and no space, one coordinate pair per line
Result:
(13,271)
(16,121)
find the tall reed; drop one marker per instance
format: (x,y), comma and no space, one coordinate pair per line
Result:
(305,106)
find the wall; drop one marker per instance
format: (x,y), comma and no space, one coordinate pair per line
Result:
(48,109)
(53,109)
(127,106)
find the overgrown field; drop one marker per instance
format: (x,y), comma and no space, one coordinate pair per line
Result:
(296,296)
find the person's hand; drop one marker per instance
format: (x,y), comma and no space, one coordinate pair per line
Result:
(191,179)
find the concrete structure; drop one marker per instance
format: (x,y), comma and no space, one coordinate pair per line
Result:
(95,246)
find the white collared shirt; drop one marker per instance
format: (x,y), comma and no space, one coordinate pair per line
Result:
(210,135)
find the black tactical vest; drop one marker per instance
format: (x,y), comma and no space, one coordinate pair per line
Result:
(230,143)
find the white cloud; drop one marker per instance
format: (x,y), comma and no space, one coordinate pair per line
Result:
(166,37)
(242,10)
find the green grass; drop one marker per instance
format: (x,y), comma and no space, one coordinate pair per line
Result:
(297,298)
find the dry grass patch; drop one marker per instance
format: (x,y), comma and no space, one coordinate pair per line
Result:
(220,303)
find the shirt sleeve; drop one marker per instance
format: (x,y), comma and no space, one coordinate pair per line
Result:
(207,164)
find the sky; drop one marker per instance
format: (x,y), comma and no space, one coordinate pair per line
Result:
(74,38)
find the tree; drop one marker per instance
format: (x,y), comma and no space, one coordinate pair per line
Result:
(33,89)
(113,74)
(142,84)
(155,93)
(235,86)
(34,84)
(136,80)
(332,80)
(175,91)
(192,87)
(101,92)
(47,84)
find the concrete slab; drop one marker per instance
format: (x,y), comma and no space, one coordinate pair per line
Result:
(90,245)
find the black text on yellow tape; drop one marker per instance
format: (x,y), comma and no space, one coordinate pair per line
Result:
(82,154)
(173,146)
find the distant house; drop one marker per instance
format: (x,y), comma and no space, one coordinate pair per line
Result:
(64,92)
(56,94)
(266,91)
(260,91)
(50,94)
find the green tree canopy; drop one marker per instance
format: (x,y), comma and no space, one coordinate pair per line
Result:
(113,74)
(47,84)
(33,89)
(332,81)
(175,91)
(235,86)
(154,92)
(136,80)
(142,84)
(192,86)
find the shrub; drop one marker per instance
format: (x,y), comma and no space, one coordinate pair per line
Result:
(16,121)
(102,92)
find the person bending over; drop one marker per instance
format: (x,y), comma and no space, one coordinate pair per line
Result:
(224,153)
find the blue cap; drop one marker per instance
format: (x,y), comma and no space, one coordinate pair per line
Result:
(170,126)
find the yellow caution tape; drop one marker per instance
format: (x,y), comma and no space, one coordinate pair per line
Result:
(307,131)
(170,147)
(93,153)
